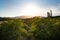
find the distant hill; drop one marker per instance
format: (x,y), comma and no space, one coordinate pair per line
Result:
(56,17)
(3,18)
(24,17)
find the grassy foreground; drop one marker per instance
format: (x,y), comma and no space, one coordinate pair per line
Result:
(30,29)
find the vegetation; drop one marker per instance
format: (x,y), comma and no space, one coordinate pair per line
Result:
(32,29)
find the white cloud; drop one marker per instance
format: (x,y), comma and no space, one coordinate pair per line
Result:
(42,10)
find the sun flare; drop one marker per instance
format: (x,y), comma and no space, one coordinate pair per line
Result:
(30,9)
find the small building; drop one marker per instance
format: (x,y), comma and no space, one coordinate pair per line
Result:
(49,14)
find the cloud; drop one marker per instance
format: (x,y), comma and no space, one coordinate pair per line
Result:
(42,10)
(55,10)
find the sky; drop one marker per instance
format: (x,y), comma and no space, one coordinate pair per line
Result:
(11,8)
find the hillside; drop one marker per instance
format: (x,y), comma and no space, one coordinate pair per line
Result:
(36,28)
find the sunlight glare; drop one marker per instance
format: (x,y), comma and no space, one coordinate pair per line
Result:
(30,9)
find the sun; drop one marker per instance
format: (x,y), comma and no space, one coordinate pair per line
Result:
(30,9)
